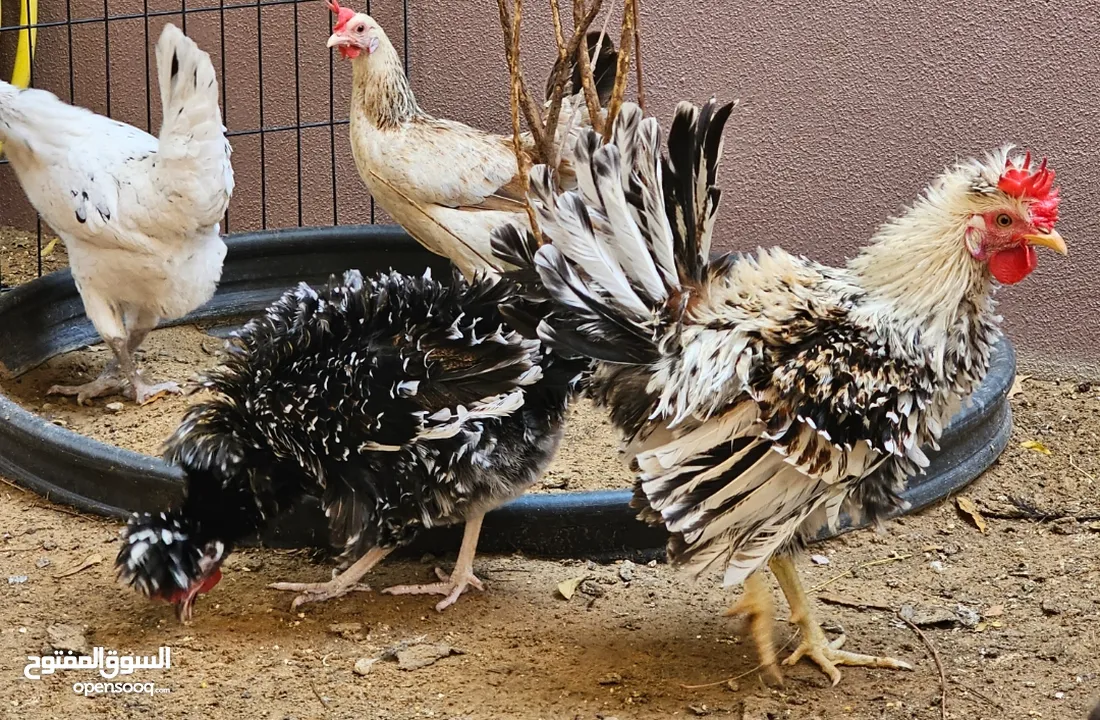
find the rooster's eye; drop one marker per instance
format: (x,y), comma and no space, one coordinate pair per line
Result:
(1004,220)
(361,28)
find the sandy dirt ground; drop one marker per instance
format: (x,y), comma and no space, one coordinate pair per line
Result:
(1012,612)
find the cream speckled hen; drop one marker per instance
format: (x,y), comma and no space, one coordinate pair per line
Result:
(763,394)
(139,215)
(448,184)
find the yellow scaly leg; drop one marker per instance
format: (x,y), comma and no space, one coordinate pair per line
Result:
(814,644)
(758,608)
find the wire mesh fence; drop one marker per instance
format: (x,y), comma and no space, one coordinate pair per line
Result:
(284,102)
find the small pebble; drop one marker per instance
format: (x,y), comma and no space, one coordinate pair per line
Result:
(42,562)
(626,571)
(1049,607)
(611,679)
(49,545)
(115,407)
(819,560)
(363,665)
(936,565)
(16,579)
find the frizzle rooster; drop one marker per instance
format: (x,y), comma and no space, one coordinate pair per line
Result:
(448,184)
(763,394)
(139,214)
(400,402)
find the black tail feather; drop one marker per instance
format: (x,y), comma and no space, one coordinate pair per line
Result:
(694,148)
(604,69)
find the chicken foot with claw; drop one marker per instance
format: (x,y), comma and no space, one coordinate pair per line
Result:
(815,645)
(461,578)
(340,585)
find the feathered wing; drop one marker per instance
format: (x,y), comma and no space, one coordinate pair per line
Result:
(752,407)
(448,370)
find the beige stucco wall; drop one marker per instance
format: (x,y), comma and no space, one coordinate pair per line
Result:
(847,108)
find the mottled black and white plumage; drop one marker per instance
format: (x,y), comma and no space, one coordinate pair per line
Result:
(762,394)
(401,402)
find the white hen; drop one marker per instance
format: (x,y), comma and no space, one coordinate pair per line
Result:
(139,215)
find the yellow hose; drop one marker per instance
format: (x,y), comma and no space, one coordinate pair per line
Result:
(24,50)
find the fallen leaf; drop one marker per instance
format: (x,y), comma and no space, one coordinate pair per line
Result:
(568,588)
(88,562)
(1036,446)
(1018,385)
(967,506)
(48,250)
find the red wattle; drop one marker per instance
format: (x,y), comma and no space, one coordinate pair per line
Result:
(350,52)
(1012,266)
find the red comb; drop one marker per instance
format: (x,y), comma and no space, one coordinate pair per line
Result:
(1037,186)
(342,14)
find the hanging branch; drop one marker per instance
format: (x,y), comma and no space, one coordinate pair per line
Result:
(511,26)
(619,90)
(588,80)
(517,95)
(638,51)
(562,68)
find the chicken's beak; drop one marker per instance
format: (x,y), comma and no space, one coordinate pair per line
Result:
(1050,240)
(335,40)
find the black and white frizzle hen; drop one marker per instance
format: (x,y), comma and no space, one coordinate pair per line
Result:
(401,402)
(763,394)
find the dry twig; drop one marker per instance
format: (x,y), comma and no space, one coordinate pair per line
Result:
(510,24)
(857,568)
(745,674)
(857,604)
(560,74)
(619,90)
(638,51)
(935,657)
(1027,510)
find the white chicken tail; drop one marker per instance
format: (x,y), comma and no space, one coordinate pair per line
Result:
(193,147)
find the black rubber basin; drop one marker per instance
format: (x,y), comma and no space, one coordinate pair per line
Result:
(45,318)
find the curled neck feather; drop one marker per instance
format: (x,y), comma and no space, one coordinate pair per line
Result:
(380,89)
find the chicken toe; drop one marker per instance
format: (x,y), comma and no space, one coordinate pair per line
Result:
(108,383)
(338,586)
(145,393)
(318,592)
(452,586)
(827,655)
(461,578)
(815,645)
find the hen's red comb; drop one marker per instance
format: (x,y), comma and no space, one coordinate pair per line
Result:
(1037,186)
(343,14)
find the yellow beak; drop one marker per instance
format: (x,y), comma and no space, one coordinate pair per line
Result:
(1051,240)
